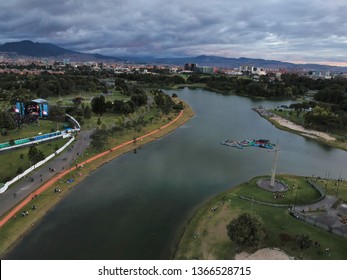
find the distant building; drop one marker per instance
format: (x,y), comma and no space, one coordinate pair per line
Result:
(190,66)
(251,70)
(204,69)
(319,75)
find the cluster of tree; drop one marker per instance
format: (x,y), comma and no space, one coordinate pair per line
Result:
(45,85)
(35,155)
(7,121)
(328,111)
(291,85)
(165,102)
(85,70)
(99,138)
(101,135)
(153,79)
(138,98)
(264,87)
(321,117)
(334,93)
(246,230)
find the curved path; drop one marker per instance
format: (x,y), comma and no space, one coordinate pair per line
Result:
(25,186)
(50,182)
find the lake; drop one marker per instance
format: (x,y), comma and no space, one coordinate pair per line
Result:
(135,206)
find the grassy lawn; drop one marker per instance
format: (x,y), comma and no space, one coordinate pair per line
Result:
(17,158)
(66,100)
(334,187)
(205,237)
(157,120)
(290,115)
(299,191)
(29,130)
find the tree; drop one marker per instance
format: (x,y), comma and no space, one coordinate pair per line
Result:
(117,106)
(246,230)
(109,105)
(128,108)
(19,170)
(7,120)
(56,113)
(87,113)
(99,138)
(320,116)
(163,101)
(99,122)
(139,99)
(99,105)
(303,241)
(35,155)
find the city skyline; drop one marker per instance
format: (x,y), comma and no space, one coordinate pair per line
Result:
(295,31)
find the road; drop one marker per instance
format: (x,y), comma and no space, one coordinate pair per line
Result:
(18,191)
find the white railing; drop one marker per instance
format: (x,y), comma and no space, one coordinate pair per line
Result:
(32,168)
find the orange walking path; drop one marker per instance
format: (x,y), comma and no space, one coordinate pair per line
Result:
(50,182)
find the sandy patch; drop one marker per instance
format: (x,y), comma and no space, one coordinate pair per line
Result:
(306,132)
(264,254)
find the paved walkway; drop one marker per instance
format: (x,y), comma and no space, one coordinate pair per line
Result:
(324,213)
(18,191)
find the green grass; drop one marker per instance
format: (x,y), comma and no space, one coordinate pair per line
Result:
(292,116)
(334,187)
(299,191)
(66,100)
(12,159)
(205,236)
(29,130)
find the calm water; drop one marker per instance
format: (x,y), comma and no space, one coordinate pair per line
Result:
(133,207)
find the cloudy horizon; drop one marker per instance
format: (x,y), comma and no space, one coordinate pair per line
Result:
(296,31)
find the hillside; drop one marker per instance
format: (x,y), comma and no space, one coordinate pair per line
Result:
(45,50)
(226,62)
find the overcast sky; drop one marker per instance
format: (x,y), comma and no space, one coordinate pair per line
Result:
(287,30)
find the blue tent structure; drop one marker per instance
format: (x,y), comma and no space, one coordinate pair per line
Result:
(36,107)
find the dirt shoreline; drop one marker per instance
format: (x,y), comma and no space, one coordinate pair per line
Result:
(305,132)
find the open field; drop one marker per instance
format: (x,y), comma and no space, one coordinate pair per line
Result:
(29,130)
(18,158)
(205,236)
(333,187)
(67,100)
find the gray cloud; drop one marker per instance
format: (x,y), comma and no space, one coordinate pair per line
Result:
(298,30)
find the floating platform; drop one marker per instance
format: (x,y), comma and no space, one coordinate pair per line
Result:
(260,143)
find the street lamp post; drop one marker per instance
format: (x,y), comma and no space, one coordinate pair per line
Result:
(296,195)
(273,173)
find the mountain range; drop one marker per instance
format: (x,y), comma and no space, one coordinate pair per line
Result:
(45,50)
